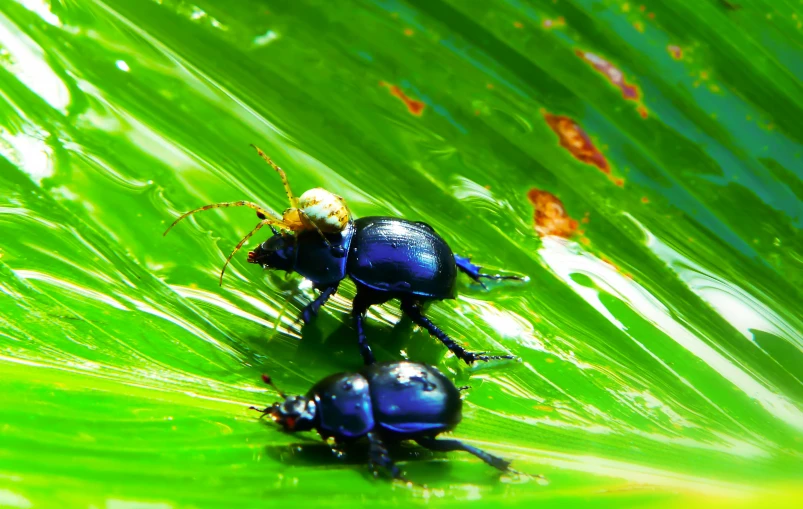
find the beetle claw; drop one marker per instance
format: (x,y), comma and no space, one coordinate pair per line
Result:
(471,357)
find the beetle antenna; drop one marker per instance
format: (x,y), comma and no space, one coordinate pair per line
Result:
(263,411)
(268,380)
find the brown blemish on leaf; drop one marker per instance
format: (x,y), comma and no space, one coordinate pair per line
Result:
(675,51)
(409,32)
(518,24)
(644,199)
(415,107)
(614,75)
(550,217)
(575,140)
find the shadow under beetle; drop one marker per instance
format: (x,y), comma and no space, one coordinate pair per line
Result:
(387,258)
(384,402)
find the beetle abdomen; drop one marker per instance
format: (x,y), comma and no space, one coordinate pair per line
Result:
(400,256)
(412,399)
(344,405)
(327,210)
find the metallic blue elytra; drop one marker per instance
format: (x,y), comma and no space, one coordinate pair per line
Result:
(394,255)
(412,399)
(384,402)
(388,258)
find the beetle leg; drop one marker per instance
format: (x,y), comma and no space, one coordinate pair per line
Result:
(258,227)
(293,199)
(473,271)
(380,459)
(358,309)
(312,308)
(413,310)
(261,212)
(456,445)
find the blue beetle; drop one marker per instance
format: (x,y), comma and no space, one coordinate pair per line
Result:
(387,258)
(384,402)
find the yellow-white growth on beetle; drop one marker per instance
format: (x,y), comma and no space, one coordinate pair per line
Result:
(325,210)
(316,209)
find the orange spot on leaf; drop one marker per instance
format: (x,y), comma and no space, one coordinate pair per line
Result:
(554,23)
(576,141)
(644,199)
(518,24)
(642,111)
(413,106)
(550,217)
(409,32)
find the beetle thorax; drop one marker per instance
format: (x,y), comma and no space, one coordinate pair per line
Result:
(327,210)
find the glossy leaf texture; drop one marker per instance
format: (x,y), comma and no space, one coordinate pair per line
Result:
(660,335)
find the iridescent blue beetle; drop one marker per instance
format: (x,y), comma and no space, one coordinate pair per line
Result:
(387,258)
(384,402)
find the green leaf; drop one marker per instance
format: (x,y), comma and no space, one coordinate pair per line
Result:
(660,344)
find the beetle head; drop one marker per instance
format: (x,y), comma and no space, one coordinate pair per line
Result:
(296,413)
(278,252)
